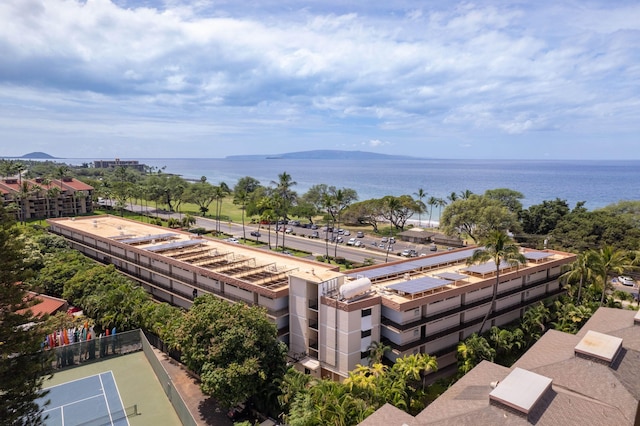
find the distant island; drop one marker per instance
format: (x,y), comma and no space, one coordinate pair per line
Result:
(35,156)
(323,154)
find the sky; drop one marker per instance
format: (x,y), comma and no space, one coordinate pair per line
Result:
(101,79)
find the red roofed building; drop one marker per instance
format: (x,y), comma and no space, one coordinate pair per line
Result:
(43,198)
(46,305)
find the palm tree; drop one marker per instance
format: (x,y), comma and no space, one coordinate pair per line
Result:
(327,204)
(287,196)
(376,352)
(420,194)
(452,197)
(392,204)
(242,197)
(432,201)
(579,271)
(466,194)
(472,350)
(500,248)
(606,262)
(441,202)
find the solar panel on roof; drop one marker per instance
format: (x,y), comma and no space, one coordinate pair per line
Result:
(485,268)
(148,238)
(537,255)
(452,276)
(174,245)
(417,263)
(419,285)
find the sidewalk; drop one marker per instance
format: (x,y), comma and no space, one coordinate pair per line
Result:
(204,409)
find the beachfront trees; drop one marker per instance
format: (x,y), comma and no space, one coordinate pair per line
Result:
(582,230)
(22,363)
(368,212)
(398,209)
(202,194)
(508,198)
(499,248)
(286,197)
(476,216)
(233,347)
(541,219)
(420,194)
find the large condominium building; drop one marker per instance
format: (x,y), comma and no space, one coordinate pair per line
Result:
(43,198)
(328,318)
(112,164)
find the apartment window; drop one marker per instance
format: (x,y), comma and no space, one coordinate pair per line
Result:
(416,332)
(365,333)
(416,312)
(366,312)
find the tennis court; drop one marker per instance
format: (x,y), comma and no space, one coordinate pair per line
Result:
(92,400)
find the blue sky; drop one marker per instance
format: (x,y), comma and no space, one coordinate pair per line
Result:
(199,78)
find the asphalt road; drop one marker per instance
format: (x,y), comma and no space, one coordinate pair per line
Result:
(299,241)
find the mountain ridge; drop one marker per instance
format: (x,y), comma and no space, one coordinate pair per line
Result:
(323,154)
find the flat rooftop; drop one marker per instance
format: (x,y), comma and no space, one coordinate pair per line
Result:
(416,278)
(253,265)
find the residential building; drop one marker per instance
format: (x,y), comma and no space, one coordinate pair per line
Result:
(112,164)
(328,318)
(41,198)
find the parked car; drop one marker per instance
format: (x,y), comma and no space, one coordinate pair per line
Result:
(626,280)
(289,230)
(314,234)
(341,231)
(339,239)
(360,234)
(351,241)
(358,243)
(256,234)
(233,240)
(346,233)
(392,240)
(384,240)
(433,247)
(314,226)
(409,253)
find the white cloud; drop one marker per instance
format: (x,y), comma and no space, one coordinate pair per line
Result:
(388,71)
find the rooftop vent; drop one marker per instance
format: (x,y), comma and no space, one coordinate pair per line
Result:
(521,390)
(598,346)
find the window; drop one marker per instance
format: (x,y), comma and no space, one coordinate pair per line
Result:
(365,333)
(366,312)
(364,355)
(416,312)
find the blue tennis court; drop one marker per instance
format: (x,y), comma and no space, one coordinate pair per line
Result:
(92,400)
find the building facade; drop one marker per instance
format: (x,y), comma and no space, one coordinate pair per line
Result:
(328,318)
(41,198)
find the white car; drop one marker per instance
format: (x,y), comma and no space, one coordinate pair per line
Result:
(351,241)
(358,243)
(233,240)
(625,280)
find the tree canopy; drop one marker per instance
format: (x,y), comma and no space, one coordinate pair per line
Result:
(233,347)
(23,365)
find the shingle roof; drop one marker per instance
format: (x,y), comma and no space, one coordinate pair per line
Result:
(584,391)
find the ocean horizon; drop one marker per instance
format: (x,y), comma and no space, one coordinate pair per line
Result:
(597,183)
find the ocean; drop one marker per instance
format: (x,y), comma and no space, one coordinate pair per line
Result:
(598,183)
